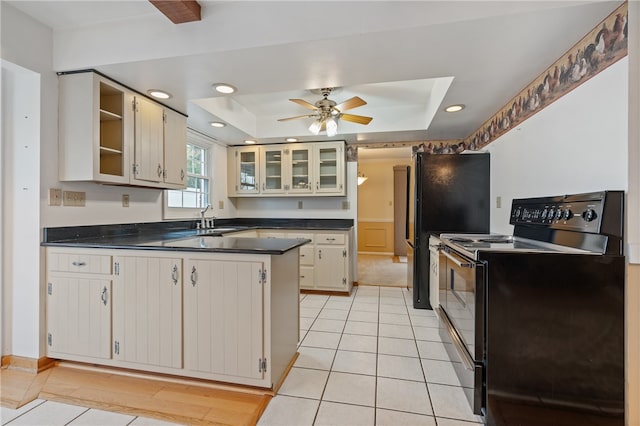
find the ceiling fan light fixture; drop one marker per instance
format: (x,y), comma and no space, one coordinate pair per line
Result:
(315,127)
(224,88)
(454,108)
(332,127)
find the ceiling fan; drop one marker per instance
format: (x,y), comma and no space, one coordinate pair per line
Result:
(327,112)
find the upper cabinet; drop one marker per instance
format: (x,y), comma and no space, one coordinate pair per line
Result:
(109,134)
(287,170)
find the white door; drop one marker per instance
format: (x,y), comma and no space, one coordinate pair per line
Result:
(247,171)
(149,140)
(329,170)
(79,316)
(175,148)
(273,177)
(223,317)
(301,169)
(330,267)
(148,310)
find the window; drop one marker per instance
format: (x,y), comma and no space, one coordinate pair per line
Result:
(196,194)
(187,203)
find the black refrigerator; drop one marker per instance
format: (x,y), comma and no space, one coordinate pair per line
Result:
(448,193)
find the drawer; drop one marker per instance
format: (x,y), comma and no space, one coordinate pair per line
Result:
(300,235)
(79,263)
(306,255)
(330,238)
(306,277)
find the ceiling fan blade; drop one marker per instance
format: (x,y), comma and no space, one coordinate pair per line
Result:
(360,119)
(296,117)
(350,103)
(304,103)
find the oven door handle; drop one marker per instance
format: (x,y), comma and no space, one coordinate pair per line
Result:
(467,361)
(456,260)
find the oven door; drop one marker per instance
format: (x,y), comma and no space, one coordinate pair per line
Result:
(462,316)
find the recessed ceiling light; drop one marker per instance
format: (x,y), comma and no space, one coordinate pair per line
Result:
(454,108)
(291,140)
(217,124)
(249,142)
(159,94)
(224,88)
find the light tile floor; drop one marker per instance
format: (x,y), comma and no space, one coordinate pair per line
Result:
(50,413)
(369,359)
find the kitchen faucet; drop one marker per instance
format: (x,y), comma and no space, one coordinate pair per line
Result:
(203,224)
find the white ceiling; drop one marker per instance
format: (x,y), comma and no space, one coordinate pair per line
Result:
(406,59)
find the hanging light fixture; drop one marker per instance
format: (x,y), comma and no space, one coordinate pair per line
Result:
(331,126)
(315,127)
(361,178)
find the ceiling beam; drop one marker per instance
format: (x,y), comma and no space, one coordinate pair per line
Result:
(179,11)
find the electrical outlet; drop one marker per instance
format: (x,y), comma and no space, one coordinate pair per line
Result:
(73,198)
(498,202)
(220,204)
(55,196)
(125,200)
(345,205)
(300,204)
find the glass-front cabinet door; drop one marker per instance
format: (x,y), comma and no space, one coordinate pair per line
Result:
(329,159)
(272,169)
(301,166)
(247,171)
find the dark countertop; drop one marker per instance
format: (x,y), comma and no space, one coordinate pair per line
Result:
(183,235)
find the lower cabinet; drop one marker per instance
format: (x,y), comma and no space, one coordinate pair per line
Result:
(78,304)
(147,310)
(78,316)
(229,317)
(223,317)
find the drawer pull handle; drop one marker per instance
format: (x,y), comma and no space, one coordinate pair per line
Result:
(194,276)
(331,239)
(174,274)
(74,263)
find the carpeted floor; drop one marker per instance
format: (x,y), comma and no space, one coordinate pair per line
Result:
(382,270)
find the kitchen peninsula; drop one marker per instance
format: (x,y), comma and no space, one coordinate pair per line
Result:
(168,298)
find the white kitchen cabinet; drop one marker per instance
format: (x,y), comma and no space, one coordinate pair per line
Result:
(301,169)
(272,169)
(329,168)
(434,271)
(109,134)
(332,262)
(95,129)
(147,316)
(243,171)
(78,304)
(223,317)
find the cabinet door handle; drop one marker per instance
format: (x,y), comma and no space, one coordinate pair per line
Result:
(263,186)
(174,274)
(317,185)
(159,170)
(319,254)
(104,296)
(181,174)
(194,276)
(74,263)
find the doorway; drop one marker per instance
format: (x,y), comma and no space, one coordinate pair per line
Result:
(381,261)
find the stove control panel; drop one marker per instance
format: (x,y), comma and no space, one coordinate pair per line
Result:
(564,212)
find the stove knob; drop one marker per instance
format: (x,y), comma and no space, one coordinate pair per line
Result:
(589,215)
(544,214)
(551,213)
(568,214)
(558,214)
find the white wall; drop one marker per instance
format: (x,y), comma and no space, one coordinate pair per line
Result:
(20,213)
(577,144)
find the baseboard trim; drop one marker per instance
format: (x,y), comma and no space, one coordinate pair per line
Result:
(30,365)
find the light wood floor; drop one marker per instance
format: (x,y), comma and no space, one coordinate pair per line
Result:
(179,401)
